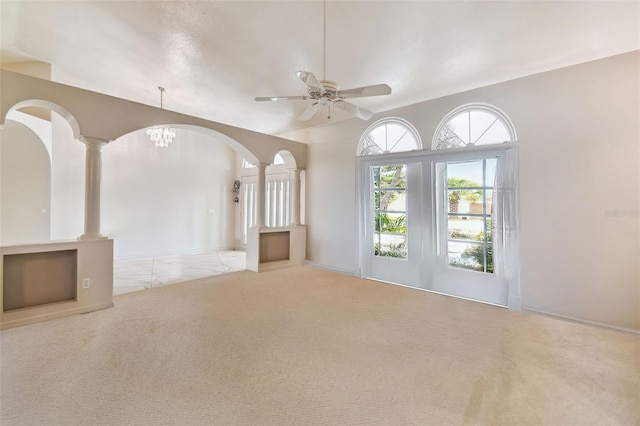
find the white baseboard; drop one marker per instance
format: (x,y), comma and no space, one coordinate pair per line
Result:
(581,320)
(330,268)
(35,317)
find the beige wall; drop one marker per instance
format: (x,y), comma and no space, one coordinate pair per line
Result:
(578,133)
(105,117)
(94,261)
(25,184)
(67,182)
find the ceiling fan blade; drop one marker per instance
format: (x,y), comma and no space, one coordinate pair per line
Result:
(308,113)
(310,80)
(280,98)
(352,109)
(358,92)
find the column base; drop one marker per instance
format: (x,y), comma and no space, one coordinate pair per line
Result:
(92,237)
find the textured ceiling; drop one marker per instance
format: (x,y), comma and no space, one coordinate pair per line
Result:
(214,57)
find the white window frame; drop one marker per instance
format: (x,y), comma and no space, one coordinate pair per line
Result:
(384,121)
(506,243)
(470,107)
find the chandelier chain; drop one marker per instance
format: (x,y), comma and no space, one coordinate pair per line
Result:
(161,136)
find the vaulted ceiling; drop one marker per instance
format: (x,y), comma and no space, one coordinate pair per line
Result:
(214,57)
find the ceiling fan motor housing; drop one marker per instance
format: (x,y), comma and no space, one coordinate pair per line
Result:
(331,91)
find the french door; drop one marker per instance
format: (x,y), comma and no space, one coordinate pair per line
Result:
(392,250)
(436,220)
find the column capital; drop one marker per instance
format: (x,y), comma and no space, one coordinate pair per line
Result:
(260,164)
(93,142)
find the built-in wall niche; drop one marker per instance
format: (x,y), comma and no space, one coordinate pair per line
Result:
(274,246)
(33,279)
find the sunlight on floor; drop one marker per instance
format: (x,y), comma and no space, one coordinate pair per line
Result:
(143,273)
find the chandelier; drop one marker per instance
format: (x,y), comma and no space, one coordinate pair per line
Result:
(161,136)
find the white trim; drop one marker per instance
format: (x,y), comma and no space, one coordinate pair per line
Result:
(462,154)
(438,292)
(580,320)
(9,322)
(331,268)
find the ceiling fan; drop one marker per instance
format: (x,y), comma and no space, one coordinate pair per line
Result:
(328,93)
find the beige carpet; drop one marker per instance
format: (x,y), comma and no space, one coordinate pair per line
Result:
(308,347)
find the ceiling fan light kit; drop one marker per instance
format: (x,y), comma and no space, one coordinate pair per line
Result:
(328,93)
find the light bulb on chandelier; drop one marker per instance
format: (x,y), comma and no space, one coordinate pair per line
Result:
(161,136)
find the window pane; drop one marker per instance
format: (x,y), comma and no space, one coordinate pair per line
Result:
(466,173)
(378,136)
(393,176)
(469,208)
(473,125)
(390,205)
(489,201)
(392,223)
(490,173)
(392,200)
(389,135)
(470,229)
(369,147)
(465,201)
(460,126)
(391,246)
(481,123)
(496,134)
(467,255)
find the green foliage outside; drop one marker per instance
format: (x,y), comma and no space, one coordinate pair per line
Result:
(393,176)
(455,196)
(385,224)
(473,257)
(391,250)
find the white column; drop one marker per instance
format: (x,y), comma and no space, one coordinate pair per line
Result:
(294,194)
(260,190)
(92,175)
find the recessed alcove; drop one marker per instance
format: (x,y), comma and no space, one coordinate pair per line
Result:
(274,246)
(34,279)
(42,281)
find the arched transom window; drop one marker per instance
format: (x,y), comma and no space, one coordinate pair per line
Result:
(472,125)
(389,135)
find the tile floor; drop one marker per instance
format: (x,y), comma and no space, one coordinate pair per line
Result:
(143,273)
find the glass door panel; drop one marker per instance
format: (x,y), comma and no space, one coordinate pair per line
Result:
(393,230)
(469,194)
(389,186)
